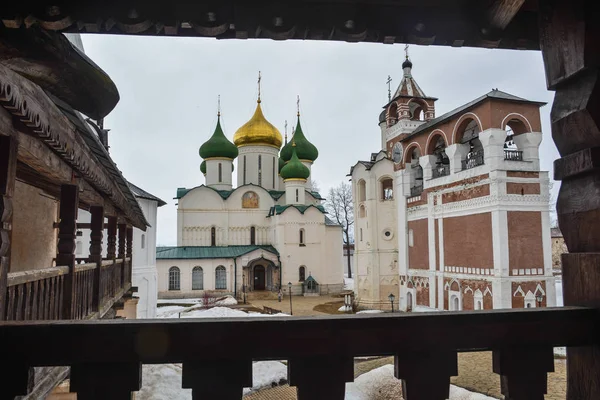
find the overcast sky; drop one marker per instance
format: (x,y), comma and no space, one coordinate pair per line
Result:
(169,89)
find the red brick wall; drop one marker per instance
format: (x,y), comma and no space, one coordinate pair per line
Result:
(522,174)
(418,254)
(525,239)
(518,301)
(468,241)
(466,194)
(522,188)
(423,296)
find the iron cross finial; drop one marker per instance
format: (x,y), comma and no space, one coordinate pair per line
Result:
(259,86)
(389,82)
(285,131)
(298,104)
(218,105)
(406,51)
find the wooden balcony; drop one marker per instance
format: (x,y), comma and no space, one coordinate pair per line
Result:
(217,364)
(40,294)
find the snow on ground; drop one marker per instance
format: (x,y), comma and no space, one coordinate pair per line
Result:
(370,312)
(421,309)
(380,384)
(178,301)
(163,381)
(348,283)
(345,309)
(173,311)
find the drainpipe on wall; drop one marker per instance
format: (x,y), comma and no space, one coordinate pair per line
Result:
(235,278)
(280,271)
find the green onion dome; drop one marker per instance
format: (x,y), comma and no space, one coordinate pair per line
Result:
(305,149)
(294,169)
(281,164)
(203,167)
(218,145)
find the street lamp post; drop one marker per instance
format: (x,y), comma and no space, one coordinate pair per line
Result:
(391,298)
(290,291)
(244,286)
(539,298)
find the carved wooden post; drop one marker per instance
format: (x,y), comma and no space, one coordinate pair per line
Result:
(128,266)
(321,377)
(217,379)
(106,381)
(524,372)
(111,240)
(69,200)
(122,228)
(96,233)
(569,38)
(8,170)
(426,375)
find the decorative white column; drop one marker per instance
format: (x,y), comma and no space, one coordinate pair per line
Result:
(427,163)
(457,153)
(529,144)
(492,141)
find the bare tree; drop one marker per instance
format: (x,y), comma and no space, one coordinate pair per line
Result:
(339,206)
(314,186)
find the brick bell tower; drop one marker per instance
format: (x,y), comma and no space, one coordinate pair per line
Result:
(407,109)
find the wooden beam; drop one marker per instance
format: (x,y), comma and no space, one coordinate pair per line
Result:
(8,170)
(30,105)
(97,231)
(501,12)
(66,245)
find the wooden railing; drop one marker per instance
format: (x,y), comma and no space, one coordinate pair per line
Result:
(35,295)
(217,365)
(84,286)
(40,294)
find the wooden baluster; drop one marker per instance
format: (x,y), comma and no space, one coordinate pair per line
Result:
(20,294)
(60,298)
(121,251)
(111,238)
(69,201)
(28,303)
(34,301)
(426,375)
(51,302)
(569,41)
(106,381)
(127,266)
(8,170)
(42,299)
(96,234)
(321,377)
(524,371)
(217,379)
(10,309)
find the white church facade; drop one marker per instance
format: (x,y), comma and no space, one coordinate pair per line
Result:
(268,232)
(453,212)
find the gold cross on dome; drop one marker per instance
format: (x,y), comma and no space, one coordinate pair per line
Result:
(406,51)
(258,85)
(298,104)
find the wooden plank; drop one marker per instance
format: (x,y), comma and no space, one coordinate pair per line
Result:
(501,12)
(96,234)
(111,250)
(20,294)
(180,340)
(10,313)
(19,278)
(524,371)
(61,296)
(28,301)
(8,168)
(34,301)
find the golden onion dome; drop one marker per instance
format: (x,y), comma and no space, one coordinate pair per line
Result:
(257,131)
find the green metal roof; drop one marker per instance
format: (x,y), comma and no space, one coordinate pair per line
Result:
(218,145)
(294,169)
(205,252)
(305,149)
(275,194)
(276,210)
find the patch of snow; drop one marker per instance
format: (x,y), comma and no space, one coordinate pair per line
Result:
(170,311)
(424,309)
(163,381)
(560,351)
(559,291)
(227,301)
(215,312)
(370,312)
(380,384)
(267,374)
(345,309)
(179,301)
(348,283)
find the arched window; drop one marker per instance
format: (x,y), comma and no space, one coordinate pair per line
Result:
(174,278)
(259,170)
(468,134)
(361,235)
(455,303)
(409,301)
(244,170)
(252,235)
(213,236)
(197,278)
(437,147)
(511,150)
(302,273)
(220,278)
(302,237)
(297,195)
(362,190)
(387,189)
(417,110)
(392,114)
(416,173)
(143,241)
(220,173)
(362,211)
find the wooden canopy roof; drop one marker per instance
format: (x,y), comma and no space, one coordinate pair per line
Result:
(477,23)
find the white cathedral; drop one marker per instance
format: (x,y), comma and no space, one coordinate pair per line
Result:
(269,232)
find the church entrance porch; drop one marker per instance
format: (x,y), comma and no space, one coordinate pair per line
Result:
(261,275)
